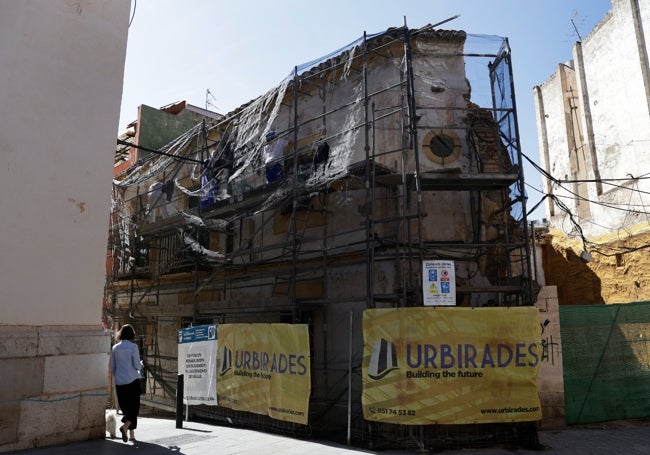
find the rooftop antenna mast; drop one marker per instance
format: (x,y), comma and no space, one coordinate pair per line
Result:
(575,13)
(208,95)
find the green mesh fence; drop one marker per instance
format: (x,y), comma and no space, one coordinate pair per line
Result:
(606,360)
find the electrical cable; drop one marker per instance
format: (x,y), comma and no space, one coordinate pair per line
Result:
(135,4)
(582,198)
(593,247)
(158,152)
(619,207)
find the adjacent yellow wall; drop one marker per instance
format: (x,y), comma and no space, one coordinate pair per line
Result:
(616,272)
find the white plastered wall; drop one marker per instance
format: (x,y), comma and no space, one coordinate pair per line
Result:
(62,70)
(60,93)
(613,88)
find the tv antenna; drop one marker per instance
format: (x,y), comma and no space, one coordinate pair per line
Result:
(575,13)
(208,95)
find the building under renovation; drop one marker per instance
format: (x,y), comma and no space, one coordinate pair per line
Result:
(320,199)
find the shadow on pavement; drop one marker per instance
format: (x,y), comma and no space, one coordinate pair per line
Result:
(103,447)
(146,448)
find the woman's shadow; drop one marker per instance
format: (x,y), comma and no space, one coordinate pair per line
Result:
(147,448)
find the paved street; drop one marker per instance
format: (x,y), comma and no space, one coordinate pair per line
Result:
(158,436)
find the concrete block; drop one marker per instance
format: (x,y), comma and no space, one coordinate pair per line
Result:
(18,341)
(20,378)
(73,340)
(71,373)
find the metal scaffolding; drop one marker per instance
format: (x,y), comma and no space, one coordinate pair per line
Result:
(424,163)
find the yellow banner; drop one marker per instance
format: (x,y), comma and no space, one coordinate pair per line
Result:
(265,369)
(451,365)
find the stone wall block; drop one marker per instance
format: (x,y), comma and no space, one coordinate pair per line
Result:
(66,373)
(20,378)
(66,341)
(42,419)
(92,412)
(8,423)
(18,341)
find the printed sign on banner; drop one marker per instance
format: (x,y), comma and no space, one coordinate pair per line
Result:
(197,361)
(439,283)
(265,369)
(426,366)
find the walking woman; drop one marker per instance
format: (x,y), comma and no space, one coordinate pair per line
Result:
(126,366)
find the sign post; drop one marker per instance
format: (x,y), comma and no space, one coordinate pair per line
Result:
(197,362)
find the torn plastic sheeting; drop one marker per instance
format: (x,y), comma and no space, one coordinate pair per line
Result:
(193,220)
(196,247)
(159,163)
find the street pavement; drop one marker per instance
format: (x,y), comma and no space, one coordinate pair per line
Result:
(158,436)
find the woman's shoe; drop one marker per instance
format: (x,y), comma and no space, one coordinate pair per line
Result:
(123,431)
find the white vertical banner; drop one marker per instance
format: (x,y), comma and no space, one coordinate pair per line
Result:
(438,283)
(197,361)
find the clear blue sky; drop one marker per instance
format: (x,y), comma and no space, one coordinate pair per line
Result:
(179,49)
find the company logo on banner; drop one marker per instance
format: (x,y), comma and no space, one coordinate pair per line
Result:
(439,283)
(197,357)
(225,361)
(382,360)
(451,365)
(265,369)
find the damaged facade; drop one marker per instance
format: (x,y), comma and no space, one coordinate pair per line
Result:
(242,219)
